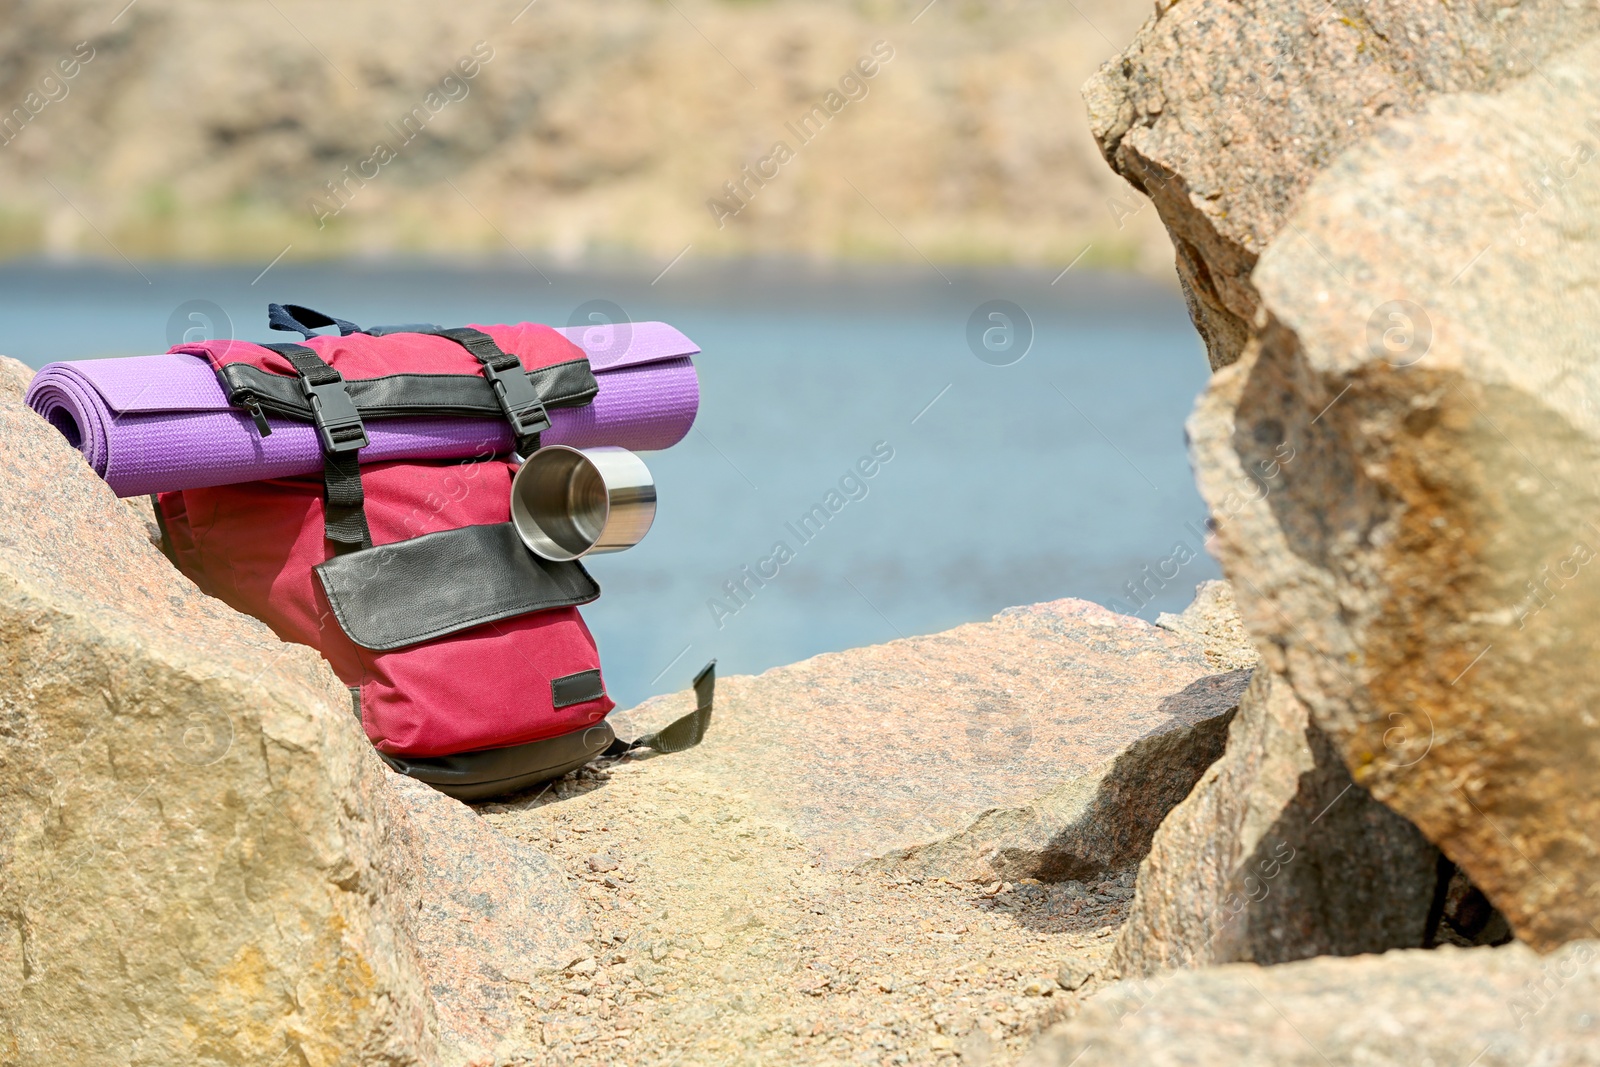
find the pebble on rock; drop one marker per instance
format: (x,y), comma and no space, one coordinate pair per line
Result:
(1073,973)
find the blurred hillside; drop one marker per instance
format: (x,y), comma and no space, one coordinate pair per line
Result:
(565,129)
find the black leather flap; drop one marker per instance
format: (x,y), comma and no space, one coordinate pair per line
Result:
(404,593)
(561,385)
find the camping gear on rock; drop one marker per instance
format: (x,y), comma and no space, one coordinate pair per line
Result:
(569,502)
(156,424)
(468,663)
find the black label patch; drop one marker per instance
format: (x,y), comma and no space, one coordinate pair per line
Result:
(577,688)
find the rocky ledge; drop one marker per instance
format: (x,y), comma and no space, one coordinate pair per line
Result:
(206,862)
(203,860)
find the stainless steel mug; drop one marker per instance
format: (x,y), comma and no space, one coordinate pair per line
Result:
(571,502)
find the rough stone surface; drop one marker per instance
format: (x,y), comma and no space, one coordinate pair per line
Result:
(1466,917)
(721,942)
(1223,111)
(1487,1007)
(1213,616)
(952,740)
(14,378)
(193,861)
(201,861)
(1102,820)
(144,513)
(494,914)
(1421,571)
(1276,855)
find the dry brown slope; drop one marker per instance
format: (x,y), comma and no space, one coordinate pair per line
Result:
(591,126)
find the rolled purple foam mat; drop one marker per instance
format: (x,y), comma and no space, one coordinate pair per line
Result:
(157,424)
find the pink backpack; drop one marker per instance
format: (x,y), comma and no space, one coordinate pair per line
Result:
(468,663)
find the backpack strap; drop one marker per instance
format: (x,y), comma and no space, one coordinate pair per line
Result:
(343,436)
(302,320)
(519,400)
(682,733)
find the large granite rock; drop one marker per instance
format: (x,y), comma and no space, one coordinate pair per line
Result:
(1276,855)
(1049,743)
(492,913)
(192,866)
(1481,1007)
(1223,111)
(1420,570)
(201,861)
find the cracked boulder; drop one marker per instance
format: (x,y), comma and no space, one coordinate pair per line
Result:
(1277,855)
(1422,570)
(1047,743)
(1222,112)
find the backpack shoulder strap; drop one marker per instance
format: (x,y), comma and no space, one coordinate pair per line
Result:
(343,436)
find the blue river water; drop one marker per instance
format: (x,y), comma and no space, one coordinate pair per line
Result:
(994,481)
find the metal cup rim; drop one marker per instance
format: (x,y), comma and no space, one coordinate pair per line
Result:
(625,475)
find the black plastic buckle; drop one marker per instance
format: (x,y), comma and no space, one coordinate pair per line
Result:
(338,422)
(518,399)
